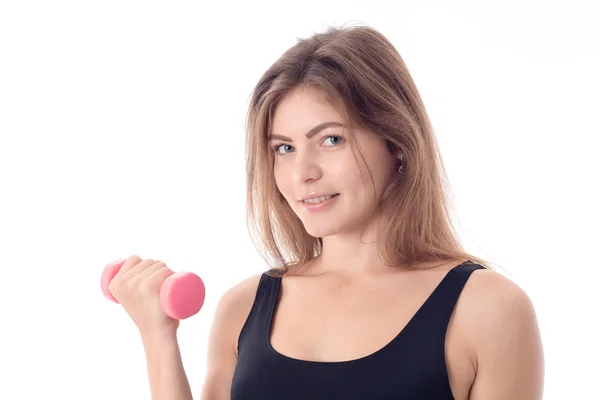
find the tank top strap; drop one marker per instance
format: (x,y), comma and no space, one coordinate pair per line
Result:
(267,292)
(254,333)
(434,316)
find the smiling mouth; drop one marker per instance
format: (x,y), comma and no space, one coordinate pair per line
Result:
(329,197)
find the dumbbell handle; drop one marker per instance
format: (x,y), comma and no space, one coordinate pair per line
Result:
(181,294)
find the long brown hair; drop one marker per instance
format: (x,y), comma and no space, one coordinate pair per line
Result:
(363,77)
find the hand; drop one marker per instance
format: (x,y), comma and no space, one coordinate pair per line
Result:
(137,288)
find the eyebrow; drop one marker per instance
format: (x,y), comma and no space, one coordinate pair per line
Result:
(310,133)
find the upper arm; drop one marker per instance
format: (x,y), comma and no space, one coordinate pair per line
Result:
(230,314)
(508,346)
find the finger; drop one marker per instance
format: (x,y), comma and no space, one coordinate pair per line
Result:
(131,262)
(154,280)
(138,268)
(159,275)
(147,272)
(133,277)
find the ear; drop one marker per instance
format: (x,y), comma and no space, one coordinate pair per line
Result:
(399,155)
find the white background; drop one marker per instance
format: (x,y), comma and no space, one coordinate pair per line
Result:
(122,132)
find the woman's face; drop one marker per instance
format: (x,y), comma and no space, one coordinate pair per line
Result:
(324,163)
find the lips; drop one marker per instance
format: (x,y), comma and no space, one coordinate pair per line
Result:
(321,205)
(324,195)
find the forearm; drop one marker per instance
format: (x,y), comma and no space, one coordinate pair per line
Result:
(168,380)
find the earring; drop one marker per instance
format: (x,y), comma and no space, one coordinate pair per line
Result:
(400,168)
(401,164)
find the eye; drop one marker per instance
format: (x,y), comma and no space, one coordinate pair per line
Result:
(334,136)
(277,147)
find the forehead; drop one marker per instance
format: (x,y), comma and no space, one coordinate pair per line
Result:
(300,110)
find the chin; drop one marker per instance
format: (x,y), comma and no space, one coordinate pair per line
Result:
(317,230)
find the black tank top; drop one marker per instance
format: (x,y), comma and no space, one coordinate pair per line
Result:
(412,366)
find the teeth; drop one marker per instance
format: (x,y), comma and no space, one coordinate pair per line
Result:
(318,199)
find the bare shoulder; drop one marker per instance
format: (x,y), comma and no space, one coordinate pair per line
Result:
(244,289)
(491,294)
(488,297)
(485,286)
(504,338)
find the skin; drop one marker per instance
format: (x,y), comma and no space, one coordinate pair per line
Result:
(358,304)
(327,165)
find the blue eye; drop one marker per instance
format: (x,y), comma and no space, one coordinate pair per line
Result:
(276,147)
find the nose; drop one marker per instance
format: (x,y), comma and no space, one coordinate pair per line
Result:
(306,168)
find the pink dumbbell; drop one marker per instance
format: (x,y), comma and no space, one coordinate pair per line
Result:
(181,294)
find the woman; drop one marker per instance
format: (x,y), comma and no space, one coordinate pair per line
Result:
(370,294)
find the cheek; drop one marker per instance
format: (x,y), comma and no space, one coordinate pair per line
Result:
(281,186)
